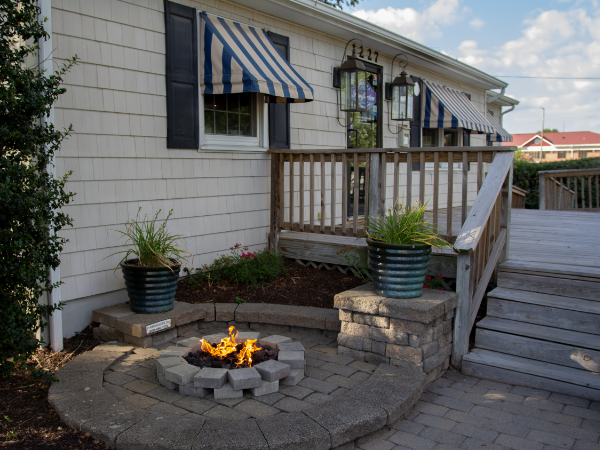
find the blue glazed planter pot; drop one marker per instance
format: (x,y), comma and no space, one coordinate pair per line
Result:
(398,270)
(151,289)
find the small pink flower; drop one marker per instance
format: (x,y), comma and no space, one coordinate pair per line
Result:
(441,289)
(440,276)
(426,287)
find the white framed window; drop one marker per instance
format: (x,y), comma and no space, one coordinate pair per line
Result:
(443,137)
(233,122)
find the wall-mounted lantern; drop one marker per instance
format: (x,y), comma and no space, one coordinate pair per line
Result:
(351,78)
(401,92)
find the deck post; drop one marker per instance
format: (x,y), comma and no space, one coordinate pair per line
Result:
(542,191)
(275,202)
(505,213)
(465,287)
(376,188)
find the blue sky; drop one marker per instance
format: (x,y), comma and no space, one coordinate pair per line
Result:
(559,38)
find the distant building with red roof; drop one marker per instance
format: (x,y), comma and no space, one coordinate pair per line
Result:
(558,146)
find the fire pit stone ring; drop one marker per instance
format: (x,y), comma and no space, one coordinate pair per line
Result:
(174,372)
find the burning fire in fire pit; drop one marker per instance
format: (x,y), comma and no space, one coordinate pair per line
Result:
(229,354)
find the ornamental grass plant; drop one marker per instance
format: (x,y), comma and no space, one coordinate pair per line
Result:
(153,245)
(405,225)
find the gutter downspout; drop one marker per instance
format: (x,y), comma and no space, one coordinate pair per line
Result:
(495,97)
(45,62)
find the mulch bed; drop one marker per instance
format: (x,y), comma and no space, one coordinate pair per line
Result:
(27,420)
(304,286)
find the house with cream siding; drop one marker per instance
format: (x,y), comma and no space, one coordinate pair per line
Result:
(128,149)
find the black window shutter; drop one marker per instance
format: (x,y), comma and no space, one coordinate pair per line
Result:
(183,123)
(279,113)
(415,125)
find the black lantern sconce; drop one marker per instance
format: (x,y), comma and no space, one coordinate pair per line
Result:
(351,78)
(401,92)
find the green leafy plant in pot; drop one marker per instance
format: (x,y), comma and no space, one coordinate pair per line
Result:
(399,245)
(151,268)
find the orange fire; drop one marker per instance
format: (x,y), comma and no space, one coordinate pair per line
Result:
(227,346)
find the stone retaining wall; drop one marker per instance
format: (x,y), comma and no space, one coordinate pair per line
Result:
(382,330)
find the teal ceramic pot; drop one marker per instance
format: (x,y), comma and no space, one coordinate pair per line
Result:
(398,270)
(151,289)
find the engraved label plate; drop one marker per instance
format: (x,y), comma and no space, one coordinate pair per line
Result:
(158,326)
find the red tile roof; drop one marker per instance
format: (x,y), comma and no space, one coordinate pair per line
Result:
(568,138)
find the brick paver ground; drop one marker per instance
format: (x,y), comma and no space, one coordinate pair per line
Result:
(460,412)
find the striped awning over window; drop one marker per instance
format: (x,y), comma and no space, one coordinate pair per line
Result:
(240,58)
(444,107)
(500,134)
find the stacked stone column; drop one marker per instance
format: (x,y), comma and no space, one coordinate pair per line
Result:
(382,330)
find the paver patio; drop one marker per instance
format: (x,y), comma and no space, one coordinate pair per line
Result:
(462,412)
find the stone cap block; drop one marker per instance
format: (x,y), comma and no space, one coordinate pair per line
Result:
(307,317)
(294,431)
(181,374)
(360,299)
(181,314)
(249,312)
(274,340)
(211,377)
(272,370)
(227,391)
(244,336)
(173,350)
(291,346)
(188,343)
(214,338)
(165,363)
(245,378)
(425,309)
(225,312)
(276,314)
(106,316)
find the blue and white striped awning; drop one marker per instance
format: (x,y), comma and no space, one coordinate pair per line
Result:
(448,108)
(240,58)
(500,135)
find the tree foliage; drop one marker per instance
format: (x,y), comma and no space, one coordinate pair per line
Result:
(526,176)
(341,3)
(30,198)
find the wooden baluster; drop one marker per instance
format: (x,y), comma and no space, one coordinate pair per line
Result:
(590,191)
(396,179)
(465,185)
(552,194)
(292,191)
(576,191)
(382,181)
(367,185)
(436,188)
(356,195)
(322,193)
(583,191)
(422,178)
(311,187)
(282,189)
(449,201)
(345,168)
(479,170)
(598,191)
(561,188)
(301,189)
(409,179)
(333,193)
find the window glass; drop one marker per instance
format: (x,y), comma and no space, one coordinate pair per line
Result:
(229,114)
(362,126)
(430,137)
(450,138)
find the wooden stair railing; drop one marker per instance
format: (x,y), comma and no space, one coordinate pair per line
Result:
(566,189)
(482,244)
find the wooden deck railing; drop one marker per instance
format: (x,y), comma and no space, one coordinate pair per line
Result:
(482,244)
(566,189)
(305,190)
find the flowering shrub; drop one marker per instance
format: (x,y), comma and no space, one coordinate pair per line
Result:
(434,282)
(353,259)
(241,266)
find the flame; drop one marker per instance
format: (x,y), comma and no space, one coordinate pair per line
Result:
(228,345)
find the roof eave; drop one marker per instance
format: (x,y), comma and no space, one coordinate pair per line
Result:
(505,101)
(318,16)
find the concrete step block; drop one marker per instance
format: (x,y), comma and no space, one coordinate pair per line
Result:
(210,377)
(227,391)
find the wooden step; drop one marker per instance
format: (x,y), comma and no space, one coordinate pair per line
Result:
(565,287)
(567,337)
(557,270)
(511,369)
(547,351)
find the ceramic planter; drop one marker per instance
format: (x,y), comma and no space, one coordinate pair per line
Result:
(151,289)
(398,270)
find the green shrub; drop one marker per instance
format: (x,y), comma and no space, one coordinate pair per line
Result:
(526,176)
(30,198)
(241,266)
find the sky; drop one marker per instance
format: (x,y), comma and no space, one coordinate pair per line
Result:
(527,38)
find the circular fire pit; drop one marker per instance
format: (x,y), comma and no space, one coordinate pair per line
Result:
(227,364)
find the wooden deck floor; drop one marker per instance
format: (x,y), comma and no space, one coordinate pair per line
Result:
(562,238)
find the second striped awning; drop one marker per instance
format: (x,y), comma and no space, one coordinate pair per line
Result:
(444,107)
(500,134)
(239,58)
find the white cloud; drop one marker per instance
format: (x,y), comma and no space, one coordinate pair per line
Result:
(553,44)
(477,23)
(419,26)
